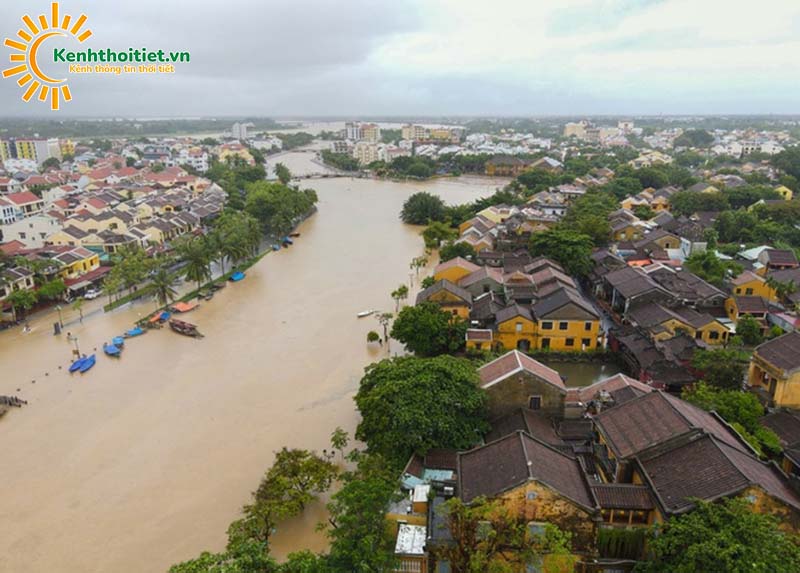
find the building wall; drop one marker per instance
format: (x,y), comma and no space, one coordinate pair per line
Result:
(451,303)
(576,331)
(536,502)
(452,274)
(510,335)
(784,392)
(788,518)
(515,392)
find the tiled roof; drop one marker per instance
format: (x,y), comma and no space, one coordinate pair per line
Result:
(22,198)
(623,496)
(751,304)
(610,385)
(653,419)
(528,421)
(707,468)
(515,459)
(513,362)
(561,298)
(785,424)
(781,257)
(782,352)
(457,262)
(513,311)
(444,285)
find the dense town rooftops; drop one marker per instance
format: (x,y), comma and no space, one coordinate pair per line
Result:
(514,362)
(446,286)
(610,385)
(528,421)
(623,496)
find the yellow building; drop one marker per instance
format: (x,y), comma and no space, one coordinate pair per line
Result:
(566,322)
(784,192)
(454,270)
(77,262)
(449,296)
(26,149)
(67,147)
(5,150)
(775,371)
(750,284)
(516,328)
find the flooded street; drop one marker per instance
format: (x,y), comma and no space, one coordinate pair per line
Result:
(144,461)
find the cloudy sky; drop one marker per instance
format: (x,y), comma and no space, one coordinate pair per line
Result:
(434,57)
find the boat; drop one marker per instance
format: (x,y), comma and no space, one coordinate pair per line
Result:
(364,313)
(185,328)
(237,276)
(112,350)
(160,317)
(87,364)
(134,332)
(118,341)
(76,365)
(276,247)
(287,241)
(294,234)
(183,307)
(217,286)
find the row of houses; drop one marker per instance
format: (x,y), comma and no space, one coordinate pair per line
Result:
(612,458)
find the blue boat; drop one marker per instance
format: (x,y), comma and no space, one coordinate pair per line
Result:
(237,276)
(76,365)
(87,364)
(165,316)
(276,247)
(288,241)
(111,350)
(118,341)
(134,332)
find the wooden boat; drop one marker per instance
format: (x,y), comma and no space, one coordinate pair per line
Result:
(185,328)
(112,350)
(184,307)
(294,234)
(364,313)
(87,364)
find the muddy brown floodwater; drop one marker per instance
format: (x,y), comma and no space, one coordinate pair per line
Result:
(144,461)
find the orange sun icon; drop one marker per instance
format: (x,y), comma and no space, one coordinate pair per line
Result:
(26,48)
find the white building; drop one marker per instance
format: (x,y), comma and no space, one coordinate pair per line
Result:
(239,130)
(268,143)
(352,131)
(366,152)
(340,146)
(8,212)
(32,231)
(26,165)
(195,158)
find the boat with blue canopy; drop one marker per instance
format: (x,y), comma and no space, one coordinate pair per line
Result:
(237,276)
(118,341)
(76,365)
(134,332)
(87,364)
(112,350)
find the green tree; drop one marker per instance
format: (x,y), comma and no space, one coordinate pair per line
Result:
(357,528)
(278,207)
(77,306)
(53,289)
(726,536)
(451,250)
(385,319)
(22,299)
(749,329)
(412,404)
(711,268)
(195,253)
(643,212)
(427,330)
(296,478)
(437,233)
(373,336)
(245,557)
(162,285)
(570,249)
(694,138)
(418,263)
(51,163)
(398,294)
(157,167)
(422,208)
(340,439)
(722,368)
(428,282)
(487,536)
(788,161)
(283,173)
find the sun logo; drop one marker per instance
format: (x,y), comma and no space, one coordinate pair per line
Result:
(26,52)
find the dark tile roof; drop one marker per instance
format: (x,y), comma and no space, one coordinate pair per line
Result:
(513,311)
(785,424)
(444,285)
(685,285)
(528,421)
(623,496)
(707,468)
(781,257)
(653,419)
(561,298)
(782,352)
(515,459)
(751,304)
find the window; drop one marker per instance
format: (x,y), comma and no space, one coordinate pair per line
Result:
(547,325)
(545,343)
(535,529)
(698,335)
(531,495)
(587,325)
(22,235)
(738,290)
(713,335)
(519,327)
(563,325)
(586,342)
(748,291)
(485,288)
(535,402)
(569,342)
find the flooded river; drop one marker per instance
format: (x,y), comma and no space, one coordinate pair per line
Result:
(144,461)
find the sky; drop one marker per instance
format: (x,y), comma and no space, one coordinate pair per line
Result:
(359,58)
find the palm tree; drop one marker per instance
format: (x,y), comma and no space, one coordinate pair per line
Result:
(196,254)
(418,262)
(162,287)
(400,293)
(78,307)
(21,299)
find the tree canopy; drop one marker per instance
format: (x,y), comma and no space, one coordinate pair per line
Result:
(411,404)
(427,330)
(422,208)
(571,249)
(722,368)
(725,536)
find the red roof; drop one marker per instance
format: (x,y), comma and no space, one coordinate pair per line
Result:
(513,362)
(22,198)
(11,248)
(90,276)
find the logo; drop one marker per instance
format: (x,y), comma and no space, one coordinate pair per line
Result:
(25,52)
